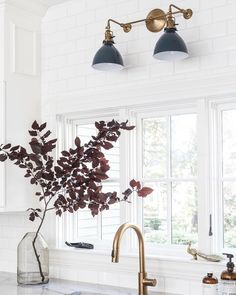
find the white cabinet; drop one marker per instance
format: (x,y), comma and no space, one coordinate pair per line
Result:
(20,93)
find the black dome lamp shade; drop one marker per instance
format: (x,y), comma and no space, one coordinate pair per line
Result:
(170,46)
(108,57)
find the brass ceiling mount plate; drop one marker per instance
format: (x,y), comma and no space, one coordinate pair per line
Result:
(156,20)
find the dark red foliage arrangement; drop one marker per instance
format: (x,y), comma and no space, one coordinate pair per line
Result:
(74,181)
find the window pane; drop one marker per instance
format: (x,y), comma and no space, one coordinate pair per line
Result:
(84,132)
(229,142)
(184,213)
(183,145)
(113,156)
(229,204)
(87,225)
(103,226)
(155,147)
(155,214)
(111,217)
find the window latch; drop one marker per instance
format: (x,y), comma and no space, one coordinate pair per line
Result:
(210,227)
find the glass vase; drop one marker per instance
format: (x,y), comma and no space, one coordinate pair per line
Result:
(32,260)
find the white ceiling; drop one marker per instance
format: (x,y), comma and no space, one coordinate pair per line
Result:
(52,2)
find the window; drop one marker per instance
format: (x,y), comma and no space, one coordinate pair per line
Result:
(169,166)
(81,226)
(226,121)
(187,153)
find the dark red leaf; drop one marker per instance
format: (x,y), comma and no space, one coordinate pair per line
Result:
(43,126)
(3,157)
(77,141)
(133,183)
(143,192)
(35,125)
(47,134)
(33,132)
(7,146)
(32,216)
(65,153)
(107,145)
(32,181)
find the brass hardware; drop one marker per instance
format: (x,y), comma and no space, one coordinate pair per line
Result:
(188,13)
(156,20)
(209,257)
(108,36)
(143,281)
(127,28)
(170,22)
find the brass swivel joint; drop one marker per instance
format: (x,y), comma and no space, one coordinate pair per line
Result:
(143,281)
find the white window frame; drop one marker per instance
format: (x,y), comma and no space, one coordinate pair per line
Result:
(215,115)
(130,144)
(167,110)
(67,224)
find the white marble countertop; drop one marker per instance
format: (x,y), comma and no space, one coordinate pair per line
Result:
(8,286)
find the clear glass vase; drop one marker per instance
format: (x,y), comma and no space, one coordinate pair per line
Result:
(32,260)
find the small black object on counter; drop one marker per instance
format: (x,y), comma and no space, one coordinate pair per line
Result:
(80,245)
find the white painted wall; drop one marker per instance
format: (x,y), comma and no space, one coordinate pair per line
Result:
(72,32)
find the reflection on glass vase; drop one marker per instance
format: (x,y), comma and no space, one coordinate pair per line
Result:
(32,260)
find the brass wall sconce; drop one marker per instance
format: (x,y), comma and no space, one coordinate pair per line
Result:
(169,47)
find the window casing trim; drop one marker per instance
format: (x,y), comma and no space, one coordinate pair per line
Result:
(207,110)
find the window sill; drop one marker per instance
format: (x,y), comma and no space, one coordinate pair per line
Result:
(160,265)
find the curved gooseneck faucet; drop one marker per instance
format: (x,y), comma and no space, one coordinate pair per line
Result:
(143,281)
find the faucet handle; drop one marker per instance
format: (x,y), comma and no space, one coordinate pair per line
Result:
(149,282)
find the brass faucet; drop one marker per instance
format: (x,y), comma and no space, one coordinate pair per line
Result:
(143,281)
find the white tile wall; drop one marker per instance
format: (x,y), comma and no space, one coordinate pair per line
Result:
(73,32)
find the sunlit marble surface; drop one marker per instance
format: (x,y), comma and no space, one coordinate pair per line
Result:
(8,286)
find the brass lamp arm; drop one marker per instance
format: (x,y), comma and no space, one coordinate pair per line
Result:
(154,15)
(179,10)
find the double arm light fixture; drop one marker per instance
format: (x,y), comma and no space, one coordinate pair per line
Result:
(170,46)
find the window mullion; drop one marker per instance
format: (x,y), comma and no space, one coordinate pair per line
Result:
(219,220)
(203,176)
(169,182)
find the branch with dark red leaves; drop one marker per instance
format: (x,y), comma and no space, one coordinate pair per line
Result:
(75,180)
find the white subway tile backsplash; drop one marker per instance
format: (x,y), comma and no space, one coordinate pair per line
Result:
(76,7)
(225,43)
(224,12)
(211,3)
(76,83)
(213,30)
(200,18)
(191,64)
(195,287)
(200,48)
(214,61)
(177,286)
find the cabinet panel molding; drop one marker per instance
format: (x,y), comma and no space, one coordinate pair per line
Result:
(2,140)
(23,50)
